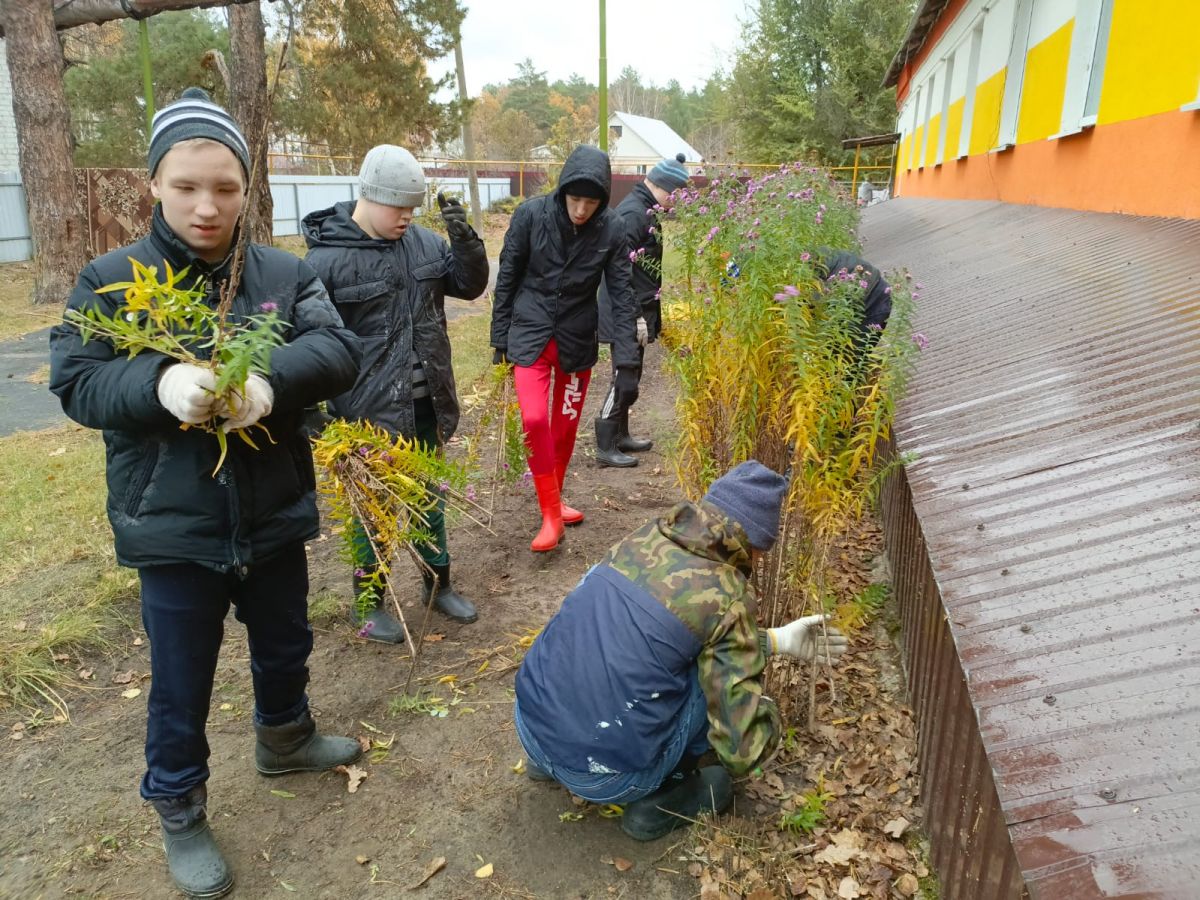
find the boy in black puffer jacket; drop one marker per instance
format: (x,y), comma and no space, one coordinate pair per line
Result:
(198,541)
(389,279)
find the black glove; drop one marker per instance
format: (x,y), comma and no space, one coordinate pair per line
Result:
(499,358)
(455,218)
(626,383)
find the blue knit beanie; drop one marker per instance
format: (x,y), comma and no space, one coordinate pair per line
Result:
(194,115)
(751,495)
(670,173)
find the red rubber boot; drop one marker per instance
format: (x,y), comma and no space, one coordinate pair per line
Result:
(570,515)
(552,519)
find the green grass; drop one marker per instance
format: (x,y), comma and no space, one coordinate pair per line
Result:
(469,337)
(60,587)
(17,315)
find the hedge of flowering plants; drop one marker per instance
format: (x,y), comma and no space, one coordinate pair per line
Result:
(773,362)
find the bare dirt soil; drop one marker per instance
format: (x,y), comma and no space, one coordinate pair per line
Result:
(72,824)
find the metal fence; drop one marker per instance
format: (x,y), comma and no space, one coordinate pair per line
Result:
(15,242)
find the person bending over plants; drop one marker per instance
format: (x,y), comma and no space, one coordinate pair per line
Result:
(207,521)
(656,657)
(544,320)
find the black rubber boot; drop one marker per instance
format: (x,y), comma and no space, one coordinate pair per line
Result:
(377,624)
(193,858)
(627,444)
(296,747)
(447,600)
(681,798)
(607,453)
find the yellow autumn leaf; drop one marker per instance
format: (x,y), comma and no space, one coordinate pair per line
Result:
(484,871)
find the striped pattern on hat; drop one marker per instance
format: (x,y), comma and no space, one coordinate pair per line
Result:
(670,174)
(194,115)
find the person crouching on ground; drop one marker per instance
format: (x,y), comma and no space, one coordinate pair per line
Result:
(198,541)
(643,230)
(544,319)
(389,278)
(656,657)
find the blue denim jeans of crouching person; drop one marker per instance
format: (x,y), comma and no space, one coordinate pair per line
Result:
(183,611)
(689,735)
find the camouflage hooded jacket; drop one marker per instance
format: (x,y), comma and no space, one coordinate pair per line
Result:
(601,686)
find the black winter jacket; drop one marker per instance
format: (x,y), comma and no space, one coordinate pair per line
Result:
(392,294)
(636,222)
(550,271)
(164,504)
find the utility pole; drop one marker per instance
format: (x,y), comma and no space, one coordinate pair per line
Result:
(147,74)
(603,82)
(468,134)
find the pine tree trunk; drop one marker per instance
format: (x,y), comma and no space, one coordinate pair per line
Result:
(35,63)
(248,93)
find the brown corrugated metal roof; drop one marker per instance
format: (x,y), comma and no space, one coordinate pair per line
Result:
(923,19)
(1056,420)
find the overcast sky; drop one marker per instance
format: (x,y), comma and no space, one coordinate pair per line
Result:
(686,41)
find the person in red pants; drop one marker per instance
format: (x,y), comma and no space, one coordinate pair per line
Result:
(544,319)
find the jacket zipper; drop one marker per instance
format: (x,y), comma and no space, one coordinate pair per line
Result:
(225,477)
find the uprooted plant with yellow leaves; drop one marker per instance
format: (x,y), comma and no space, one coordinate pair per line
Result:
(174,317)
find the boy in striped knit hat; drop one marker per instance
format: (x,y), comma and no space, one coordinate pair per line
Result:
(200,542)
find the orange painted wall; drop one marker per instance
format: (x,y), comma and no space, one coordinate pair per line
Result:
(1103,169)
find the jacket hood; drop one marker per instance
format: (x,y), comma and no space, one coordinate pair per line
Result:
(586,163)
(705,531)
(335,227)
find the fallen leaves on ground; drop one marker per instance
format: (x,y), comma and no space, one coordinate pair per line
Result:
(862,756)
(435,865)
(354,776)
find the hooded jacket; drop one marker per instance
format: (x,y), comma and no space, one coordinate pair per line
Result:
(550,271)
(164,503)
(602,685)
(643,232)
(392,294)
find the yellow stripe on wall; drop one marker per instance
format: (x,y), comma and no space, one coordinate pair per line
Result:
(1153,65)
(1044,86)
(954,118)
(985,124)
(916,147)
(935,133)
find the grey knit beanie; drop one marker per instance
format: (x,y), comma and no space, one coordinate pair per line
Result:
(194,115)
(670,174)
(392,176)
(751,495)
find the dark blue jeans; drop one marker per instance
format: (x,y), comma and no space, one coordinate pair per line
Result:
(183,611)
(688,735)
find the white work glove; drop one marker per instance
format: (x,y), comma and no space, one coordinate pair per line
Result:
(252,404)
(643,332)
(187,392)
(804,639)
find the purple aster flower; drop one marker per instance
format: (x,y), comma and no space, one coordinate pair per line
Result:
(443,486)
(887,291)
(269,307)
(791,290)
(632,255)
(805,256)
(366,629)
(781,296)
(471,492)
(920,340)
(874,326)
(703,210)
(359,573)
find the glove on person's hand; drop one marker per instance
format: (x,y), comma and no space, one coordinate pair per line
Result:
(187,392)
(804,639)
(643,332)
(626,382)
(499,358)
(252,404)
(455,218)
